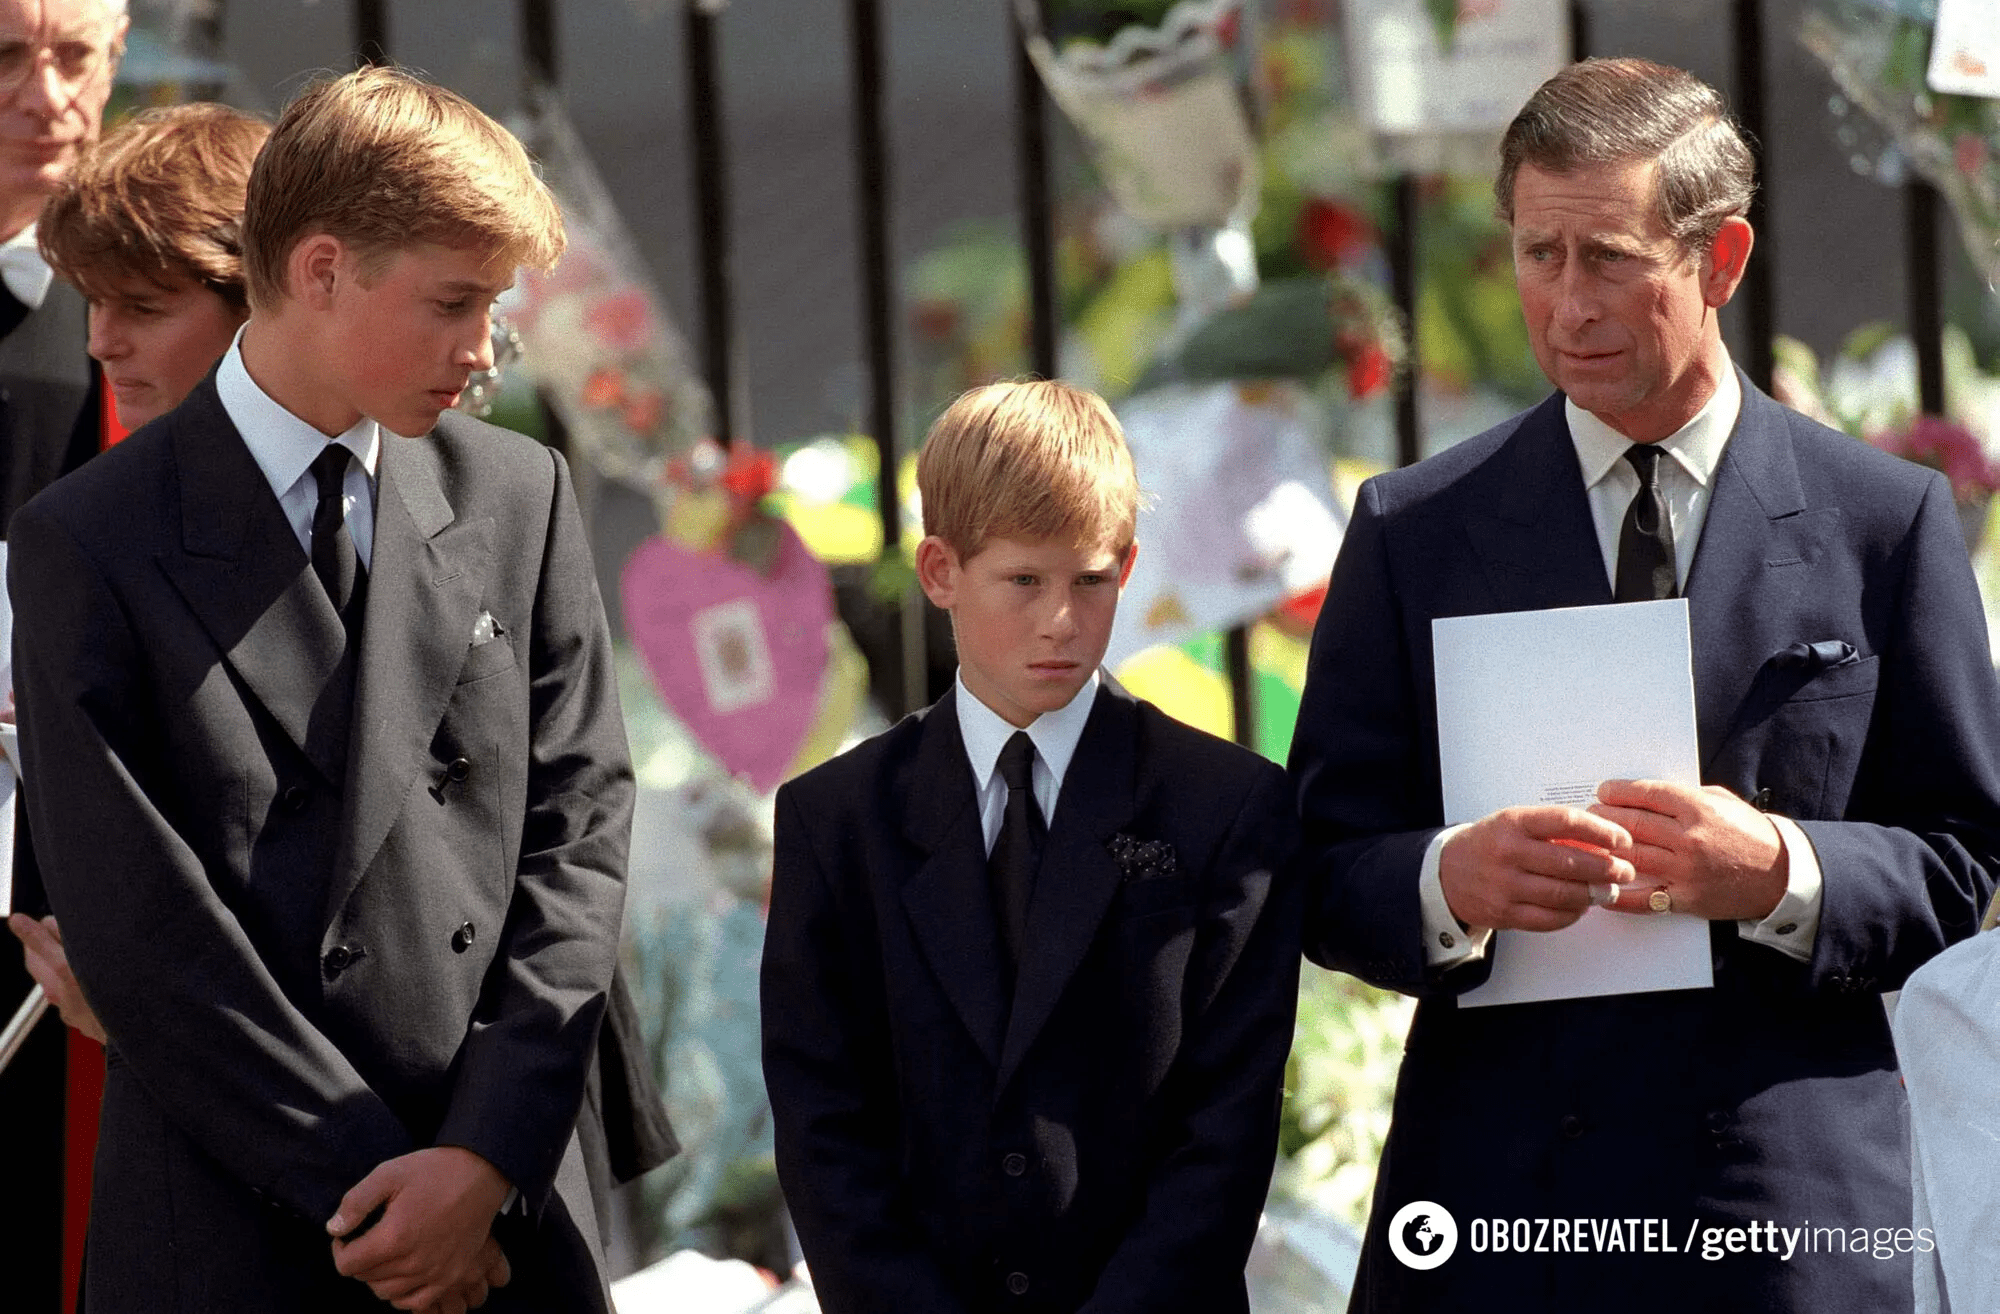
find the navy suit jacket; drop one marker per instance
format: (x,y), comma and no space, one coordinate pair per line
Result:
(1104,1140)
(1773,1096)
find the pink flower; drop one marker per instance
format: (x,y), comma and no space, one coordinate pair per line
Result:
(1969,154)
(1948,447)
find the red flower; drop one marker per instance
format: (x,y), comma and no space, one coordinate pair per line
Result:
(1332,234)
(1367,372)
(750,473)
(1298,613)
(935,319)
(605,387)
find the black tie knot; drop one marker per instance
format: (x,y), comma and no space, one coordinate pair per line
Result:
(334,558)
(330,472)
(1645,570)
(1645,458)
(1017,761)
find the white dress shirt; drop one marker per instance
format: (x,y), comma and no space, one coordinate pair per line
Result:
(1610,483)
(24,271)
(1055,734)
(284,447)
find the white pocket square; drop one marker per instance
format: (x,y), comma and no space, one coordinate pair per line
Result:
(485,630)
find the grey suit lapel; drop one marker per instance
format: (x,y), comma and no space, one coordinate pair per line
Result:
(946,897)
(1079,878)
(1529,520)
(245,577)
(426,579)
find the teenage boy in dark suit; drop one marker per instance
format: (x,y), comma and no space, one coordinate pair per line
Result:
(332,789)
(1031,966)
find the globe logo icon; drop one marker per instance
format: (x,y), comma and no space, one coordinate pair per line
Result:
(1422,1234)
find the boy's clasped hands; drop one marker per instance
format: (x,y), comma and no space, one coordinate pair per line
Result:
(431,1245)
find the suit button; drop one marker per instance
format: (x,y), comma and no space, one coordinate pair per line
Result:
(1788,928)
(1572,1126)
(1014,1165)
(339,959)
(461,939)
(1017,1283)
(459,769)
(1761,800)
(293,799)
(1447,939)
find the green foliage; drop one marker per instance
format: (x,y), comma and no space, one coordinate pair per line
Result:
(1346,1051)
(1098,21)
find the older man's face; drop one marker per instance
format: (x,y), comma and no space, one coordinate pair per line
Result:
(1621,318)
(56,61)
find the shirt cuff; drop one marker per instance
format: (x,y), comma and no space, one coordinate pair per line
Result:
(1791,926)
(1446,943)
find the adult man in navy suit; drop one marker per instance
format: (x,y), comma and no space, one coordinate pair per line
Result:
(1849,729)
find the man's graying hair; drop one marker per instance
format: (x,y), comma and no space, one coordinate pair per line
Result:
(1614,111)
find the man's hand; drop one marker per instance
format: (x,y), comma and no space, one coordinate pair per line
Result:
(49,965)
(1717,856)
(494,1272)
(431,1245)
(1532,868)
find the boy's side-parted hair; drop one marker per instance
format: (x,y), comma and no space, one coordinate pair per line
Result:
(158,199)
(384,160)
(1028,460)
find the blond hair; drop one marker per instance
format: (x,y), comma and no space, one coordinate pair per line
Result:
(383,161)
(159,199)
(1028,460)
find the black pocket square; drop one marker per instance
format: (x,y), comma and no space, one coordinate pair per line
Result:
(1816,657)
(1142,860)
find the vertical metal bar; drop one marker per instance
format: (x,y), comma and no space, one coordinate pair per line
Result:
(1242,690)
(878,316)
(1579,30)
(371,31)
(538,40)
(1037,206)
(1926,304)
(1403,287)
(1760,283)
(711,202)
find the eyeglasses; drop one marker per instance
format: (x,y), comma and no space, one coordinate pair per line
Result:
(76,60)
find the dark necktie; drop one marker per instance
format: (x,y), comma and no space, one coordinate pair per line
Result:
(333,556)
(1017,852)
(1646,541)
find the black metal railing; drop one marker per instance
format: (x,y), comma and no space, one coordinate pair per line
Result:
(719,349)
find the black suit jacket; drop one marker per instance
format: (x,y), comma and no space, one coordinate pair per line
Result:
(49,403)
(319,941)
(1773,1096)
(1104,1140)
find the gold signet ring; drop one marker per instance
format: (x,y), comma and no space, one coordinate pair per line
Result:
(1660,901)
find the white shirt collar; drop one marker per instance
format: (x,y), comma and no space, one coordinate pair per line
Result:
(24,271)
(1696,446)
(282,444)
(1055,734)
